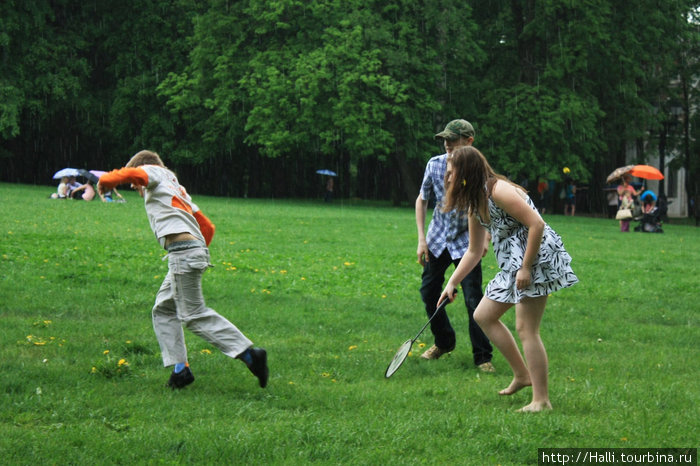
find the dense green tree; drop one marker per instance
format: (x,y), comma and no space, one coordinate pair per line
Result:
(573,83)
(250,97)
(42,74)
(688,63)
(331,82)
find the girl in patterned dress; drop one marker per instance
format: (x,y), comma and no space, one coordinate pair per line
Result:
(531,257)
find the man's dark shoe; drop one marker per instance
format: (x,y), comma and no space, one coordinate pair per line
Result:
(259,365)
(181,379)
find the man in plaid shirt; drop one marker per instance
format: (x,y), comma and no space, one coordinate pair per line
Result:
(445,244)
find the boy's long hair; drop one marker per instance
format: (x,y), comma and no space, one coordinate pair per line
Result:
(145,157)
(470,182)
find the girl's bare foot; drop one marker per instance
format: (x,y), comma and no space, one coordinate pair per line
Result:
(536,407)
(515,386)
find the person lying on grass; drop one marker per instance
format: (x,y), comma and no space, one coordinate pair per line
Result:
(185,232)
(531,257)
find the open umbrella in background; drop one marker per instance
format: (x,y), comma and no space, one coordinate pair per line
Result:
(647,172)
(618,172)
(326,172)
(88,175)
(66,172)
(92,175)
(640,171)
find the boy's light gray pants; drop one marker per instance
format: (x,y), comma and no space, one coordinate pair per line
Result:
(180,301)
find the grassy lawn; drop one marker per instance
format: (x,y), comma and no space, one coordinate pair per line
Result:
(330,291)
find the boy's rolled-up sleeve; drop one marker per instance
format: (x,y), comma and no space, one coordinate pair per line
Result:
(133,175)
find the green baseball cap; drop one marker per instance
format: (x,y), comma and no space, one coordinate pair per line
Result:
(455,129)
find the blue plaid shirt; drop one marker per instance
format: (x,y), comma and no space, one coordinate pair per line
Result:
(446,230)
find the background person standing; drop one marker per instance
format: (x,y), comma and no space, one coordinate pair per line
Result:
(445,244)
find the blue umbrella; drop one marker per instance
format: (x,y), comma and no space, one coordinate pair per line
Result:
(326,172)
(66,172)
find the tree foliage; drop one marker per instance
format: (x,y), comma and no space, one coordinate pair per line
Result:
(250,97)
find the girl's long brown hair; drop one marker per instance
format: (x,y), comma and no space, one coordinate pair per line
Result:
(470,183)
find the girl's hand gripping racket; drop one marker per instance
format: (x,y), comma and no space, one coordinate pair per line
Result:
(404,349)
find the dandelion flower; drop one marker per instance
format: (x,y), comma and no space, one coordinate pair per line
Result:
(205,351)
(352,347)
(122,362)
(105,351)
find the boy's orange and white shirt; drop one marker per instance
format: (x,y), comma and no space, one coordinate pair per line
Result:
(169,208)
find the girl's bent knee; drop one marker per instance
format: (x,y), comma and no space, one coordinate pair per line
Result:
(481,317)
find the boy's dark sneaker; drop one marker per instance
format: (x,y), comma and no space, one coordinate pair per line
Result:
(259,365)
(181,379)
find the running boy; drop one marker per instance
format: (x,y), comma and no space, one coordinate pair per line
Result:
(185,232)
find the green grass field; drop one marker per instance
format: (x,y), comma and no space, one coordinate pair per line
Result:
(330,291)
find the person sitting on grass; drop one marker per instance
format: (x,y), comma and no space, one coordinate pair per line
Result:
(86,192)
(71,185)
(648,198)
(62,190)
(531,257)
(185,232)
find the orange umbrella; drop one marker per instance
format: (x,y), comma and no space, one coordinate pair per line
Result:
(647,172)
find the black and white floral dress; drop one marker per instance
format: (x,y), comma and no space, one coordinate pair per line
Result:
(550,272)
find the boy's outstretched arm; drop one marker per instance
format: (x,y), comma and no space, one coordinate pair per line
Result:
(134,175)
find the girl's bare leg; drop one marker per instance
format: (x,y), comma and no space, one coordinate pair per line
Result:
(488,315)
(528,315)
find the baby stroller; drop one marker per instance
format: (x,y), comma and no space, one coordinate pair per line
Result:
(650,222)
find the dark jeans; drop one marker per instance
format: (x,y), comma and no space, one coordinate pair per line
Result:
(433,280)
